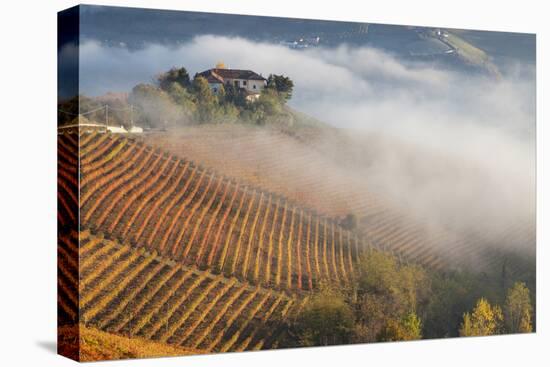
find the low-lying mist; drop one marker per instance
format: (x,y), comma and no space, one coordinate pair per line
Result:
(454,150)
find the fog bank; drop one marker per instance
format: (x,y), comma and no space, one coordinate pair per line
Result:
(456,150)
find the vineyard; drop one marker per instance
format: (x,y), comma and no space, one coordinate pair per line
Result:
(194,216)
(303,179)
(298,170)
(171,253)
(138,294)
(158,251)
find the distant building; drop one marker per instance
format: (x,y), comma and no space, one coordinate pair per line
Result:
(247,80)
(117,129)
(302,43)
(135,130)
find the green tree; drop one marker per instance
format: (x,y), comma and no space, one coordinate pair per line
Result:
(221,95)
(326,320)
(154,107)
(453,293)
(206,101)
(485,319)
(412,326)
(389,294)
(517,309)
(282,84)
(174,75)
(373,311)
(182,98)
(415,287)
(235,96)
(408,286)
(266,106)
(379,273)
(350,222)
(226,113)
(408,327)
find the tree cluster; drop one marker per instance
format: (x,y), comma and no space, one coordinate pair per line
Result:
(486,319)
(176,99)
(391,301)
(381,305)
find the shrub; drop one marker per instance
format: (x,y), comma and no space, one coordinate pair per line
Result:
(326,320)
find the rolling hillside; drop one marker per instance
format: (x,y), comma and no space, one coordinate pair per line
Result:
(329,171)
(145,197)
(173,253)
(182,248)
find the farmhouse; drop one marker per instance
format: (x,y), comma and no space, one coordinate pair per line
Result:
(247,80)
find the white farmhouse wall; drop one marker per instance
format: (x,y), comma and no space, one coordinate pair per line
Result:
(252,86)
(258,84)
(117,130)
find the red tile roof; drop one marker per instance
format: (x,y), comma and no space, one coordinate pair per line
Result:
(222,74)
(211,78)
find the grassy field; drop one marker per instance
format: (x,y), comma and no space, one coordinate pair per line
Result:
(98,345)
(472,54)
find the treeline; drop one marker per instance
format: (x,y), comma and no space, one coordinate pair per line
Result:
(487,319)
(392,302)
(175,99)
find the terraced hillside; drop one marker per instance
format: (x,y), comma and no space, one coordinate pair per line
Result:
(134,293)
(157,250)
(67,180)
(297,167)
(192,215)
(290,165)
(296,163)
